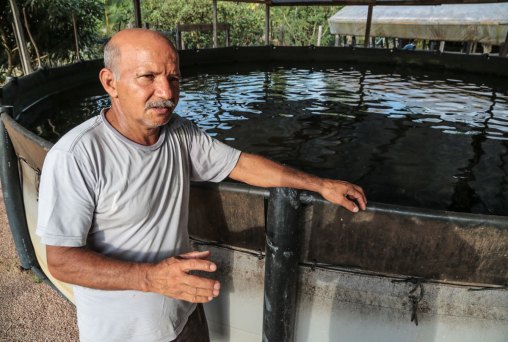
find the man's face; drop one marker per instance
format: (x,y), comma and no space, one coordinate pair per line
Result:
(148,74)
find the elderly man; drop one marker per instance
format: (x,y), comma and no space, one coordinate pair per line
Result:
(114,201)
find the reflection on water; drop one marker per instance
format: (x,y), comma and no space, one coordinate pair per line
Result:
(410,139)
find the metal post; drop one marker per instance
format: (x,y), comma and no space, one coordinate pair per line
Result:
(178,38)
(441,46)
(76,37)
(281,35)
(367,28)
(281,266)
(267,24)
(20,39)
(320,32)
(215,44)
(473,47)
(13,197)
(137,12)
(504,52)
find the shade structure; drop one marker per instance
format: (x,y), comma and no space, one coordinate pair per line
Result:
(482,23)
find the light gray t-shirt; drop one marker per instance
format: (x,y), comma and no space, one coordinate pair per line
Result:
(130,202)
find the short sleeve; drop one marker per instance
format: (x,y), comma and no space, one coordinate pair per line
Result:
(211,159)
(66,201)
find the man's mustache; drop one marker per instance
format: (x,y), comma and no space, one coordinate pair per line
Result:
(160,104)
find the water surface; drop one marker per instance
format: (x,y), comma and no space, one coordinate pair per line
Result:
(408,137)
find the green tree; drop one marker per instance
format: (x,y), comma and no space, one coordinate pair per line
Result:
(49,31)
(117,15)
(8,57)
(51,38)
(300,25)
(246,20)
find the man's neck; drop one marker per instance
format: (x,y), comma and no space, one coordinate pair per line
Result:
(133,132)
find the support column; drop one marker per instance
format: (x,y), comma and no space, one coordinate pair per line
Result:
(267,24)
(367,28)
(504,52)
(137,13)
(320,32)
(215,23)
(281,266)
(178,38)
(441,46)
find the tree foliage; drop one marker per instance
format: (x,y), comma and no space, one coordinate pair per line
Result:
(300,25)
(50,26)
(246,20)
(289,25)
(8,56)
(117,15)
(50,31)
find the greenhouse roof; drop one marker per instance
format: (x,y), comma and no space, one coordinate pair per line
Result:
(364,2)
(483,23)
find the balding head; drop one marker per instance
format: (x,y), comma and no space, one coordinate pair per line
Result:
(113,48)
(141,76)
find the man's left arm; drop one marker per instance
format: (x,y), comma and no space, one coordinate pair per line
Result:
(259,171)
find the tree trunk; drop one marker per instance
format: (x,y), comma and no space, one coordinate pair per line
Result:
(8,51)
(106,17)
(32,39)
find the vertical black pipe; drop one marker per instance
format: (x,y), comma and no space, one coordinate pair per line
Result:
(281,266)
(367,27)
(214,23)
(137,13)
(178,38)
(267,24)
(13,198)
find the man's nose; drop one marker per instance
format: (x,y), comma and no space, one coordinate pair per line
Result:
(164,88)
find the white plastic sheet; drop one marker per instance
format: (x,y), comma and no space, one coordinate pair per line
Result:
(482,23)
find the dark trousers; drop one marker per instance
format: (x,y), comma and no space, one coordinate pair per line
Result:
(196,329)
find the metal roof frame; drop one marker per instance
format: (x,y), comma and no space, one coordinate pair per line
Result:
(362,2)
(369,3)
(269,3)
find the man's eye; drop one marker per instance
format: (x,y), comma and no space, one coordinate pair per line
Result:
(174,80)
(148,76)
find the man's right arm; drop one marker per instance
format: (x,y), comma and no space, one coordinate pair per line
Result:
(169,277)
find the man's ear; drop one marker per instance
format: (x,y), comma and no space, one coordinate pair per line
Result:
(108,82)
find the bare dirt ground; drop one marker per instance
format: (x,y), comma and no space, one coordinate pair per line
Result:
(30,310)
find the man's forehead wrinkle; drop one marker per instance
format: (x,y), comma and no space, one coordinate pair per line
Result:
(149,60)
